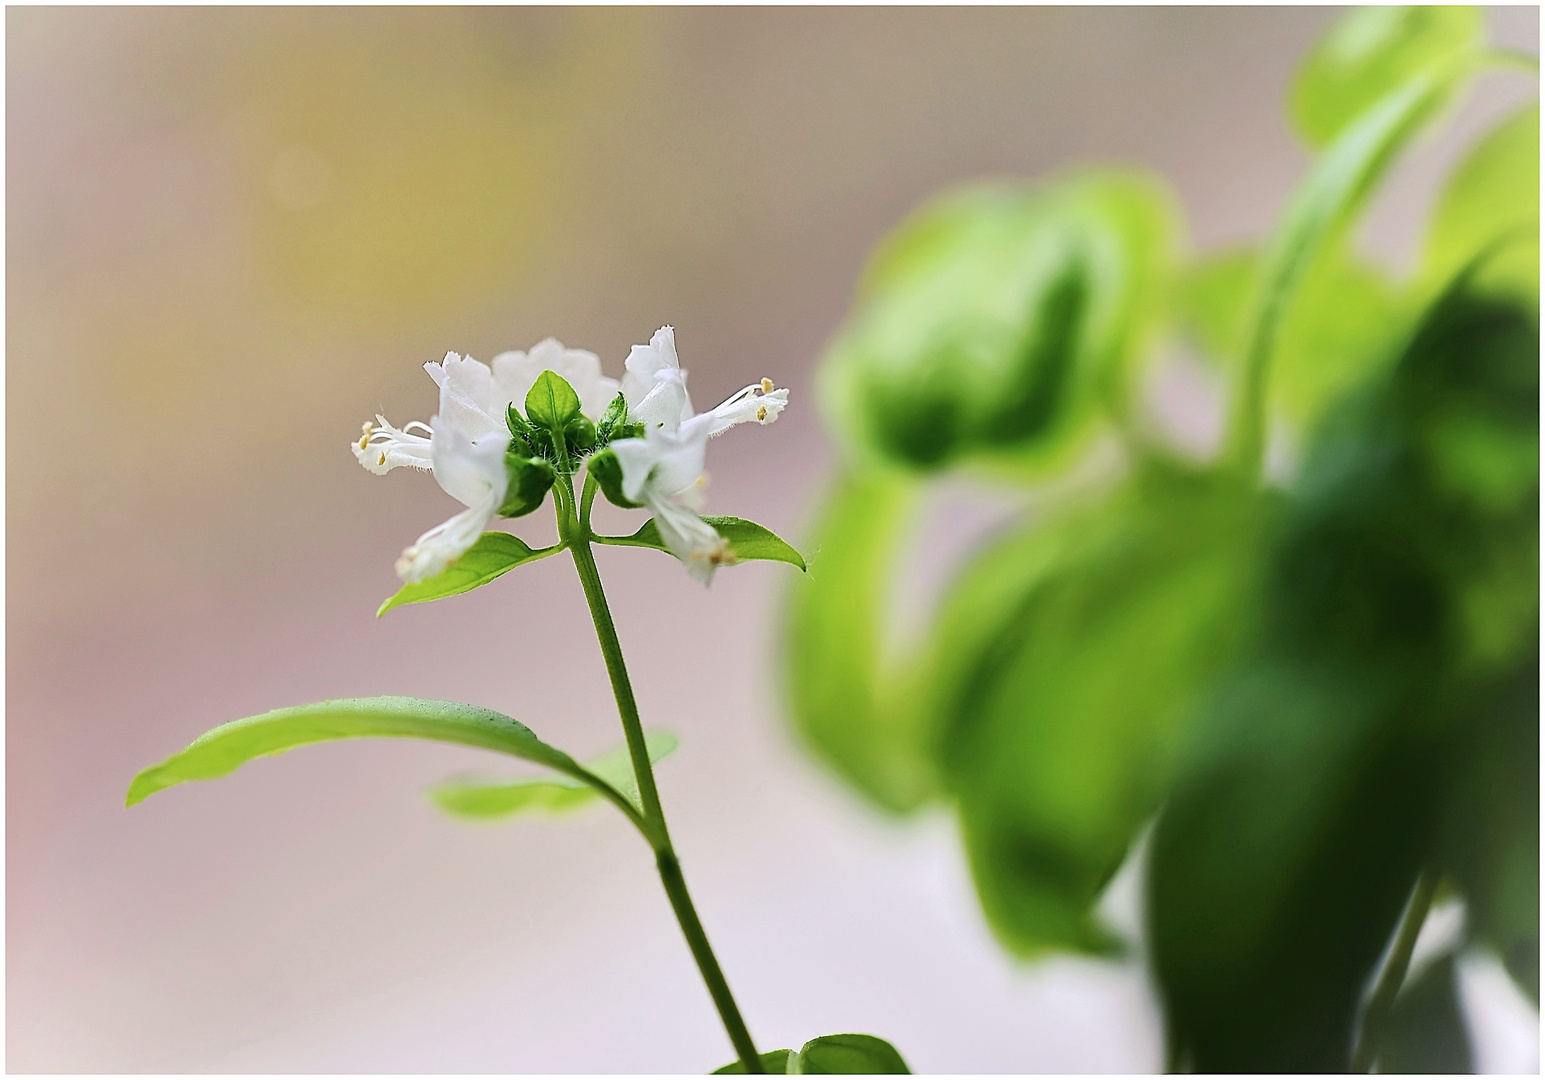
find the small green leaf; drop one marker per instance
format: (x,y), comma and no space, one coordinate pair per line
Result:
(551,402)
(607,471)
(1371,51)
(530,480)
(226,748)
(863,1054)
(1426,1032)
(748,540)
(844,699)
(494,553)
(482,798)
(774,1062)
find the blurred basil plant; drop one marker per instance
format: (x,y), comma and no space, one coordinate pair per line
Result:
(1314,672)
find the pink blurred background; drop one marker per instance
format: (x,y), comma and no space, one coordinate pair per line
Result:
(235,234)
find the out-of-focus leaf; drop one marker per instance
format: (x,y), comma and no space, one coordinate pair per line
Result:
(775,1062)
(864,1054)
(474,797)
(1001,321)
(1469,386)
(1283,859)
(1282,862)
(1371,51)
(861,724)
(224,749)
(1343,322)
(1426,1032)
(495,553)
(1491,830)
(1494,193)
(748,540)
(1061,724)
(1337,185)
(1212,300)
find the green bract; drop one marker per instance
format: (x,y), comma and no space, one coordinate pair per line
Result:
(1375,50)
(551,402)
(1001,321)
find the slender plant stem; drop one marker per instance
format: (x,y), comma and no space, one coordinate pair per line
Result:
(1376,1016)
(575,527)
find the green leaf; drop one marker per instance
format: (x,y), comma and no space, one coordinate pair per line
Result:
(494,553)
(775,1062)
(1283,860)
(748,540)
(530,480)
(842,695)
(226,748)
(607,471)
(483,798)
(551,402)
(1064,696)
(1426,1032)
(1001,322)
(1493,194)
(863,1054)
(1372,51)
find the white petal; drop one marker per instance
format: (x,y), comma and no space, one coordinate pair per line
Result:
(758,402)
(515,372)
(382,448)
(468,398)
(669,462)
(446,542)
(468,469)
(655,387)
(691,539)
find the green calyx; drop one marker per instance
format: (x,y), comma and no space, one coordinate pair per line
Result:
(607,471)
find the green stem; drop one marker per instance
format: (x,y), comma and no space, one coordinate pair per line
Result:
(1376,1016)
(575,528)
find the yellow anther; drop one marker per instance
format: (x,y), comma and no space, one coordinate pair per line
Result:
(383,458)
(767,385)
(761,412)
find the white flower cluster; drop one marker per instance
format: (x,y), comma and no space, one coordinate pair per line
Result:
(465,442)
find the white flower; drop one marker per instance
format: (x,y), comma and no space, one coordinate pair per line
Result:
(663,470)
(465,442)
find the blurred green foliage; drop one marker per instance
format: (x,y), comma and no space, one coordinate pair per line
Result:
(1317,688)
